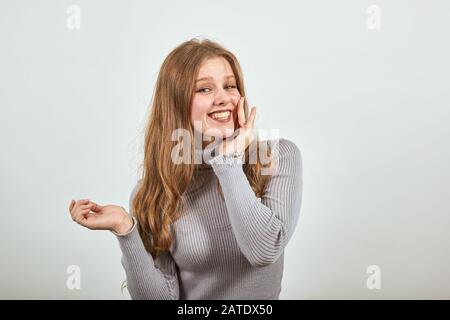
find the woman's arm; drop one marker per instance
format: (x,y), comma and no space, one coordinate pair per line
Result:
(263,227)
(147,278)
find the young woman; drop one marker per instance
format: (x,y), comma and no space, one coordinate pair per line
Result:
(213,227)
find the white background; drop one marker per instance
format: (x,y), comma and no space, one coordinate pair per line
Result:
(369,110)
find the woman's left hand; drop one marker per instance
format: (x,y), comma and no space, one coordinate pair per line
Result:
(245,132)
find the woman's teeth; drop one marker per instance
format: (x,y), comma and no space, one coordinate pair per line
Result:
(220,115)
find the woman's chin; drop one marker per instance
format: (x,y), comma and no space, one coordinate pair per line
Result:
(226,129)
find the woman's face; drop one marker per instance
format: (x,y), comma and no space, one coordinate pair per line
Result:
(215,99)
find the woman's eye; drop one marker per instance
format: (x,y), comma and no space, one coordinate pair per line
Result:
(205,90)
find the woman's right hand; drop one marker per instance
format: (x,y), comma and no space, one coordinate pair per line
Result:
(96,217)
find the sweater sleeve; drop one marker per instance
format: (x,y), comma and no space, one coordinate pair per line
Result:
(263,227)
(147,278)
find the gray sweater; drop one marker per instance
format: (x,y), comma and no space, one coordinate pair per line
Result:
(222,249)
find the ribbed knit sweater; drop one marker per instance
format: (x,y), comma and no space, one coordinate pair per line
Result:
(231,248)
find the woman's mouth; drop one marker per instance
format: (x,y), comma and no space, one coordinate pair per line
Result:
(220,116)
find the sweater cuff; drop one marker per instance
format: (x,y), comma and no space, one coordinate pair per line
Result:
(128,232)
(227,165)
(223,161)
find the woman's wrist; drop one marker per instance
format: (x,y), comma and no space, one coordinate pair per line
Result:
(124,226)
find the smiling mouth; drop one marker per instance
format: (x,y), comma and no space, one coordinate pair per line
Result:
(220,116)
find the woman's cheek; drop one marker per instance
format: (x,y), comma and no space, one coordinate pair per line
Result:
(199,108)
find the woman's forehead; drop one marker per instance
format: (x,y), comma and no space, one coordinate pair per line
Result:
(215,67)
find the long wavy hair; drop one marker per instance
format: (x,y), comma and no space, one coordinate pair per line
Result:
(157,201)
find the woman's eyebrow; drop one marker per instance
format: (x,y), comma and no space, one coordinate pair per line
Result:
(210,78)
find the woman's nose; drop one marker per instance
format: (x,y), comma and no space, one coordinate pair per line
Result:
(222,97)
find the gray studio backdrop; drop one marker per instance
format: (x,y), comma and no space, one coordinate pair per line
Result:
(362,87)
